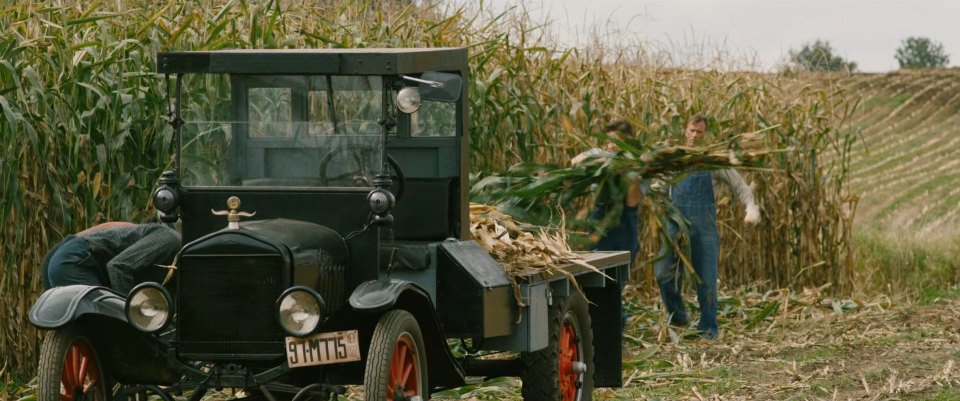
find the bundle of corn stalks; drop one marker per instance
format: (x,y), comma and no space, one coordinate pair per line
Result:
(523,250)
(533,192)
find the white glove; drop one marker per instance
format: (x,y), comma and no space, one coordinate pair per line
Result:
(658,185)
(578,159)
(753,215)
(590,153)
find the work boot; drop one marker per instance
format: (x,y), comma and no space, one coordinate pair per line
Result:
(709,335)
(679,321)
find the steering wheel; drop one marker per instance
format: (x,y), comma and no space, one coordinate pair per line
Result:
(358,177)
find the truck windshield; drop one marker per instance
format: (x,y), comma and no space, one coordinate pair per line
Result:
(289,131)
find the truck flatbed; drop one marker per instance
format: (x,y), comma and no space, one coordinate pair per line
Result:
(602,260)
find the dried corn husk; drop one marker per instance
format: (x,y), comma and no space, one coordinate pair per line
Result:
(523,252)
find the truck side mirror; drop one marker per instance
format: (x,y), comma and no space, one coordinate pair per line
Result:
(448,90)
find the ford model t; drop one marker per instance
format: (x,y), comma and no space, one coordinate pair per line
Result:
(324,204)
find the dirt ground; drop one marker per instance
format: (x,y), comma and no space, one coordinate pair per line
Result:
(783,346)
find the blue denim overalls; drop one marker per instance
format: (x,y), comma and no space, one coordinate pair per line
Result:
(693,196)
(622,237)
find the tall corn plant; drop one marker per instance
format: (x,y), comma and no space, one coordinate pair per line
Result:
(83,135)
(81,139)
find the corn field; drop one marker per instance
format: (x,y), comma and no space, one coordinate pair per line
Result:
(905,169)
(83,133)
(906,166)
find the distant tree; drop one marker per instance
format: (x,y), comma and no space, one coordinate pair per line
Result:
(818,56)
(921,53)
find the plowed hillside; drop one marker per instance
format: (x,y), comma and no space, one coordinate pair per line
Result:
(906,165)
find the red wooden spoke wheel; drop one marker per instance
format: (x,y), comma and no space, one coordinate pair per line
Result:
(569,354)
(404,372)
(70,369)
(396,360)
(563,371)
(81,373)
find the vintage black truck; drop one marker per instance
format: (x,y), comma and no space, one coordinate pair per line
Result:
(323,196)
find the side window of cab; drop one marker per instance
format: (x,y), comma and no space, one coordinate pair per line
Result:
(434,119)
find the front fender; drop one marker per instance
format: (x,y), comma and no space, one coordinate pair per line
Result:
(380,295)
(61,305)
(128,355)
(376,296)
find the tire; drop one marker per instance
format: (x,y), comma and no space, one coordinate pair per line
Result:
(70,368)
(396,358)
(550,374)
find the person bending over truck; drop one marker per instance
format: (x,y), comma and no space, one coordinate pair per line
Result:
(694,197)
(118,255)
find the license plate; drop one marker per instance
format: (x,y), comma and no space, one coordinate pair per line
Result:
(323,349)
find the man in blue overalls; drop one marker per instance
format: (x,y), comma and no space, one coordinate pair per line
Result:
(694,198)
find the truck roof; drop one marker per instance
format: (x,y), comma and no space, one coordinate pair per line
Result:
(363,61)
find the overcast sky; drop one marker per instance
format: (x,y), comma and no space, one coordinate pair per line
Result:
(867,32)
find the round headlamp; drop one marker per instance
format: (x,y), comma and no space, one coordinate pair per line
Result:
(300,310)
(408,99)
(149,307)
(165,199)
(381,201)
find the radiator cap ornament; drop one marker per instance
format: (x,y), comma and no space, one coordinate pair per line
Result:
(233,213)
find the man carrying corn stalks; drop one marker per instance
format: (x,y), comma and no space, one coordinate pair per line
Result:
(624,236)
(694,198)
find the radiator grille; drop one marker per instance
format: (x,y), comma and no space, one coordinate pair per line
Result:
(227,306)
(331,283)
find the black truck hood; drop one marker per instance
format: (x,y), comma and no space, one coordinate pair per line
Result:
(273,235)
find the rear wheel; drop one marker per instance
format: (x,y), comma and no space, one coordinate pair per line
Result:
(397,361)
(564,370)
(70,369)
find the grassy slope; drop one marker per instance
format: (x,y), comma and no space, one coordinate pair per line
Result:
(906,166)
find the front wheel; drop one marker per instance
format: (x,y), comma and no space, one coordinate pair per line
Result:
(70,368)
(397,361)
(564,370)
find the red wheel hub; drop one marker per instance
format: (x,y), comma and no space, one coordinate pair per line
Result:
(80,378)
(569,353)
(404,375)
